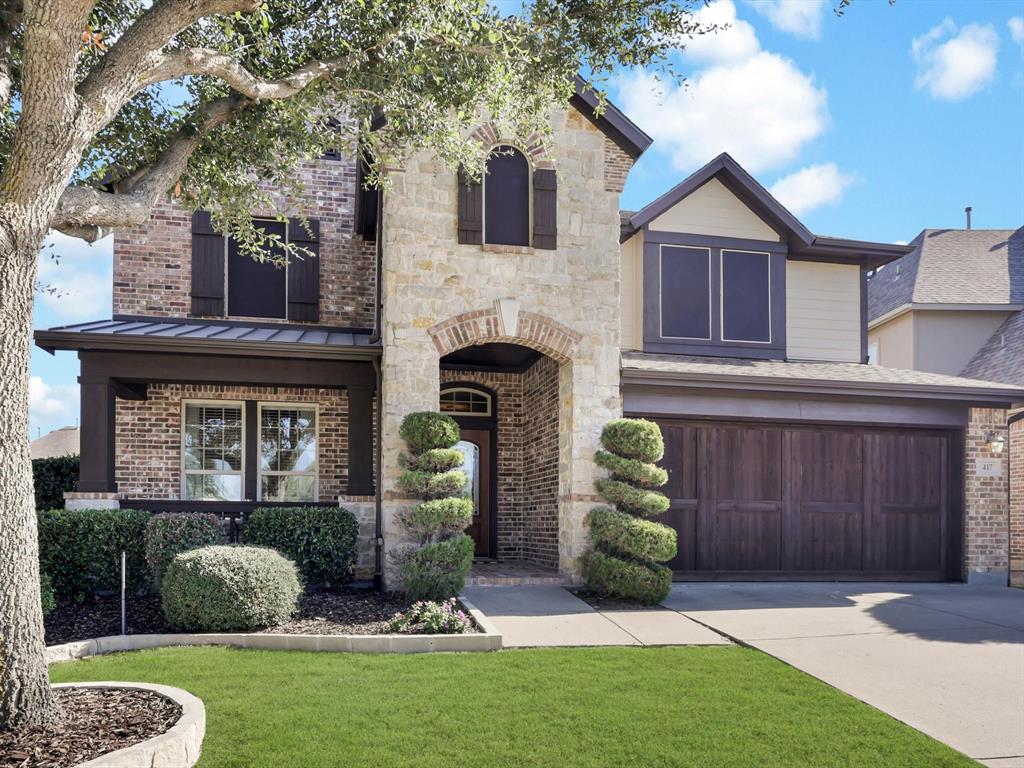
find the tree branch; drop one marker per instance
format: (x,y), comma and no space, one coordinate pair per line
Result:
(205,61)
(116,78)
(90,214)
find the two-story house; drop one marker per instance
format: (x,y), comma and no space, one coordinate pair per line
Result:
(528,308)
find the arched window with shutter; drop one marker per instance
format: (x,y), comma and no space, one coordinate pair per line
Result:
(507,198)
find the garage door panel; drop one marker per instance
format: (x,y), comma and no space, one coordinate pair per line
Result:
(911,538)
(829,465)
(680,461)
(828,537)
(747,464)
(683,517)
(748,536)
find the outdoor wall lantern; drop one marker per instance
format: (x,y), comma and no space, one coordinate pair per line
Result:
(996,442)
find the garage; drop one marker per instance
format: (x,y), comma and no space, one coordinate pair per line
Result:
(762,501)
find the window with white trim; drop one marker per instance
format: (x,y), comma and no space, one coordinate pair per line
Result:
(463,401)
(288,444)
(212,454)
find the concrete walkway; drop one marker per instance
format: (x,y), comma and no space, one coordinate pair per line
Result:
(947,659)
(530,616)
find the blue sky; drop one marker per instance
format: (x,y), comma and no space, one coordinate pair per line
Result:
(870,126)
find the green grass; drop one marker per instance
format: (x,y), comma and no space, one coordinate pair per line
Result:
(649,707)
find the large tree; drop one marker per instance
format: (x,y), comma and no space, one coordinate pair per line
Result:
(107,105)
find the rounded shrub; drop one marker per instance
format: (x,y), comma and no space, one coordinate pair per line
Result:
(618,532)
(629,498)
(426,430)
(417,484)
(321,541)
(631,470)
(434,460)
(608,575)
(626,547)
(634,439)
(230,589)
(450,516)
(438,571)
(172,533)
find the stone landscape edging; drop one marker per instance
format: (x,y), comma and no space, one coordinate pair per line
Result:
(178,747)
(487,639)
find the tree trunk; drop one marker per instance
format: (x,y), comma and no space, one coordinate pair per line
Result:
(25,697)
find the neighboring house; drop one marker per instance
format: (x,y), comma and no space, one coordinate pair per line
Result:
(59,442)
(514,305)
(954,305)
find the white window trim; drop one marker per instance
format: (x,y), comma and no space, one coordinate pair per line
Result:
(261,473)
(877,344)
(529,197)
(227,287)
(661,292)
(183,485)
(472,390)
(721,295)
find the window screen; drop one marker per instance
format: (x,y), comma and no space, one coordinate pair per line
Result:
(287,453)
(255,288)
(507,198)
(685,292)
(746,296)
(212,452)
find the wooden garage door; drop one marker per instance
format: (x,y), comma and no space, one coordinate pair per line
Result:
(777,502)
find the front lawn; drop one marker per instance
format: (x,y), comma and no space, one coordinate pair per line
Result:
(692,707)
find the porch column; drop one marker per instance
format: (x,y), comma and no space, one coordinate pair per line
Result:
(96,463)
(360,441)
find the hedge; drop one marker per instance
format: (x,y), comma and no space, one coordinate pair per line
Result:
(615,577)
(320,540)
(230,589)
(46,596)
(80,550)
(172,533)
(629,535)
(52,477)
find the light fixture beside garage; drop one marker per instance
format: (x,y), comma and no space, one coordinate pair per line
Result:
(996,442)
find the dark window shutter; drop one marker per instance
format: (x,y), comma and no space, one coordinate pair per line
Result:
(207,267)
(471,210)
(367,204)
(545,209)
(304,273)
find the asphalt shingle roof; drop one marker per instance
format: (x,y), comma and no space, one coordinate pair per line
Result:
(953,266)
(1002,357)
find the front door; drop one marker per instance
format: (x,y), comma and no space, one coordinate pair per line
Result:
(475,446)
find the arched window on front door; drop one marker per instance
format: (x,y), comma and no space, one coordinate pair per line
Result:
(507,198)
(466,401)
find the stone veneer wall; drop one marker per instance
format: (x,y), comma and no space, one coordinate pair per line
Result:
(986,533)
(1016,459)
(153,261)
(562,302)
(149,435)
(540,463)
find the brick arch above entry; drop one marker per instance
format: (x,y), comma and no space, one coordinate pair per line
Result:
(505,322)
(489,136)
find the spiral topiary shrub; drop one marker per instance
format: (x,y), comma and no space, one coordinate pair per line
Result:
(626,547)
(230,589)
(436,568)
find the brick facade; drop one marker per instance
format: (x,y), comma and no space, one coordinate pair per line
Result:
(149,434)
(153,262)
(1016,460)
(986,535)
(616,166)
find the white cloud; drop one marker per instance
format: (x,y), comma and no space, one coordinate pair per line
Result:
(811,187)
(762,110)
(52,403)
(734,40)
(953,66)
(77,278)
(800,18)
(1016,25)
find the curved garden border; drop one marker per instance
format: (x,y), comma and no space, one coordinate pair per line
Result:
(487,639)
(180,746)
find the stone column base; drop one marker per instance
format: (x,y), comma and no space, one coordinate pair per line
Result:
(364,509)
(91,500)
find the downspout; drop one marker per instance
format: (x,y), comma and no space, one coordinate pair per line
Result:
(375,337)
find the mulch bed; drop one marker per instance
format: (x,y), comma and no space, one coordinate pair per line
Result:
(94,723)
(350,611)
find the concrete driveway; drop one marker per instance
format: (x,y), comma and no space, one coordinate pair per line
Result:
(947,659)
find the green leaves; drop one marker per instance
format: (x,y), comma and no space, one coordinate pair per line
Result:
(320,540)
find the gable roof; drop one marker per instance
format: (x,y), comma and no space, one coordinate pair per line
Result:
(800,240)
(1002,357)
(612,121)
(953,266)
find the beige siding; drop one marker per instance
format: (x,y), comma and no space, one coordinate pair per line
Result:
(895,340)
(633,292)
(946,340)
(712,209)
(823,311)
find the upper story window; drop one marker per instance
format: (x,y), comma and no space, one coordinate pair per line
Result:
(710,300)
(507,198)
(227,282)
